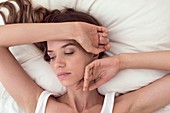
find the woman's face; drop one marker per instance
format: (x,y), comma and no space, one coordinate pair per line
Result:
(68,60)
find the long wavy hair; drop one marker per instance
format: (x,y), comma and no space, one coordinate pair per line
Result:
(25,14)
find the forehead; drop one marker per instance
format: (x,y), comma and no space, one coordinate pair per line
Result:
(61,43)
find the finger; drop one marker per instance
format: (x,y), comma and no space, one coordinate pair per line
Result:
(103,48)
(87,78)
(102,29)
(104,34)
(96,50)
(100,49)
(97,84)
(107,47)
(103,40)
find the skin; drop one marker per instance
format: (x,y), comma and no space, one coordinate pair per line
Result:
(60,53)
(29,103)
(145,100)
(20,71)
(96,37)
(17,78)
(64,57)
(140,104)
(104,67)
(135,101)
(32,32)
(27,96)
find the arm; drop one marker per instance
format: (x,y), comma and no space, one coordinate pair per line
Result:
(16,81)
(37,32)
(16,34)
(20,86)
(13,77)
(108,67)
(147,60)
(145,100)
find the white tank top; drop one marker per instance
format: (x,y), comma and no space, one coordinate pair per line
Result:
(42,102)
(107,105)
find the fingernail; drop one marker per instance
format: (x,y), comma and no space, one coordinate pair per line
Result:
(84,89)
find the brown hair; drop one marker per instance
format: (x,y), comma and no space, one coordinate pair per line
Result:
(27,14)
(68,15)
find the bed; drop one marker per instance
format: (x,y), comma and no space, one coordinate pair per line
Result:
(134,26)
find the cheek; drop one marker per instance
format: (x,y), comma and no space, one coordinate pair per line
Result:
(80,69)
(79,66)
(52,66)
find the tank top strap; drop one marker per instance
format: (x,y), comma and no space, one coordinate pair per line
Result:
(42,102)
(108,102)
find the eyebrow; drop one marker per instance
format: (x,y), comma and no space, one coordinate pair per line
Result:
(68,44)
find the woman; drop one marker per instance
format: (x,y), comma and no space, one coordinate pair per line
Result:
(64,55)
(29,81)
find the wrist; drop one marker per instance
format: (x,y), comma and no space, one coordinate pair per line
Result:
(122,61)
(115,62)
(129,61)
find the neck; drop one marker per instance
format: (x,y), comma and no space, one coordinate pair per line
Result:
(79,100)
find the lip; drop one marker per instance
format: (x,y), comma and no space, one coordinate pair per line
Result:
(63,75)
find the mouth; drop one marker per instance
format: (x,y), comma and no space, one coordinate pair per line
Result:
(63,75)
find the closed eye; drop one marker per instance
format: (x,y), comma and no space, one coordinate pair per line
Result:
(69,53)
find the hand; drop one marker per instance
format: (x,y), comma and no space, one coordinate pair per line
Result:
(100,70)
(94,39)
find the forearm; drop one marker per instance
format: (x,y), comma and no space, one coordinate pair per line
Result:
(148,60)
(152,97)
(16,34)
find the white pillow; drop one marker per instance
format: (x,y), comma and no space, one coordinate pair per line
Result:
(31,59)
(135,26)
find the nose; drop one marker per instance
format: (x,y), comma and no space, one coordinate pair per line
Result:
(59,62)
